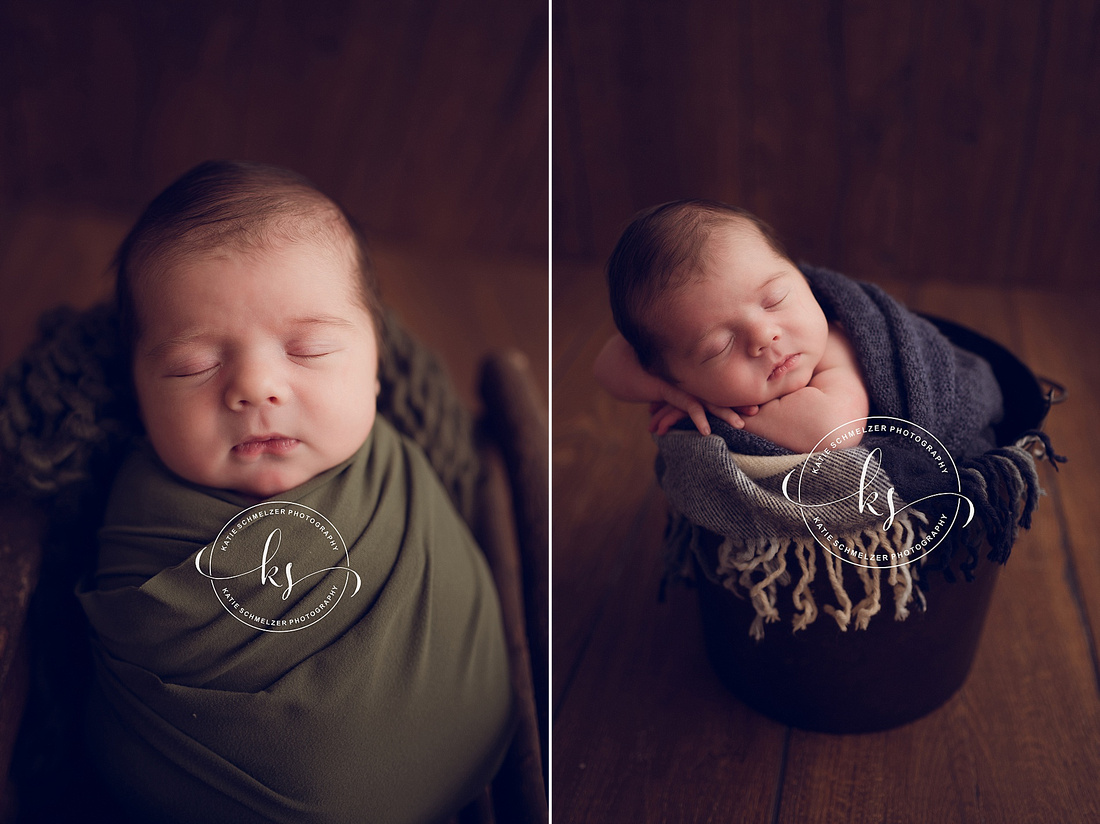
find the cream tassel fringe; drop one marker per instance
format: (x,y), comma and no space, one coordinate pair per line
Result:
(756,567)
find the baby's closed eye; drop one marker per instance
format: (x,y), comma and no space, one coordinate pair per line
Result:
(775,299)
(191,368)
(312,350)
(192,372)
(720,348)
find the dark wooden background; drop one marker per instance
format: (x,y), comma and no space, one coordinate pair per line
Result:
(427,119)
(912,140)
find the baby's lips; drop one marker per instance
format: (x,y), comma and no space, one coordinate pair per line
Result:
(274,444)
(784,365)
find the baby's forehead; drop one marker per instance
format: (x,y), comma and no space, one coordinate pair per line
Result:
(732,231)
(700,256)
(167,264)
(304,278)
(272,287)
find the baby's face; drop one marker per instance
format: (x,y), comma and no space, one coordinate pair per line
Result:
(256,370)
(748,330)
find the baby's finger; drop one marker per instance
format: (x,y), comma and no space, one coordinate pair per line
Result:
(698,417)
(746,411)
(655,421)
(661,422)
(658,413)
(728,415)
(682,400)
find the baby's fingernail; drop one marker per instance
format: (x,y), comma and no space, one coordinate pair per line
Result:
(740,424)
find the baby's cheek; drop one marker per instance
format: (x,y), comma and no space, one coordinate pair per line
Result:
(357,408)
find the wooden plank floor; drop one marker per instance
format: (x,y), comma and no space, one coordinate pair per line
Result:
(644,731)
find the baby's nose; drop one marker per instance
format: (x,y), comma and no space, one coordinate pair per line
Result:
(256,383)
(765,335)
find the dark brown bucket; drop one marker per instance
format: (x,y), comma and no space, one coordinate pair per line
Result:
(893,672)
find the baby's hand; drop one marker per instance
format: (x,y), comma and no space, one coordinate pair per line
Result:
(746,411)
(663,414)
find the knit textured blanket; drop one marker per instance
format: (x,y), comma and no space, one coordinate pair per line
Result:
(335,656)
(927,454)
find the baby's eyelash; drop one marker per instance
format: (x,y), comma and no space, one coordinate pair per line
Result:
(729,343)
(192,374)
(310,349)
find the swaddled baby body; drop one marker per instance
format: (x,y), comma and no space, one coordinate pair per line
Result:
(372,685)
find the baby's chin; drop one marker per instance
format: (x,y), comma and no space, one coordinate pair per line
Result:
(787,388)
(278,478)
(764,397)
(261,479)
(267,486)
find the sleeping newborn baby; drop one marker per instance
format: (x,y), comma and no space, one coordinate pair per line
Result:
(714,316)
(250,664)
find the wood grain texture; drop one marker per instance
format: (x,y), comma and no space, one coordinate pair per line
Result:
(516,413)
(647,732)
(519,790)
(907,140)
(427,119)
(1059,333)
(52,256)
(595,454)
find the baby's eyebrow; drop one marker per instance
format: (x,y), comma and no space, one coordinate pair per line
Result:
(173,342)
(294,324)
(321,320)
(770,281)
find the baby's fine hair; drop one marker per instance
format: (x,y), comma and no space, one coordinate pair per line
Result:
(662,248)
(222,204)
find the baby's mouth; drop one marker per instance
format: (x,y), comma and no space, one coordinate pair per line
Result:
(266,445)
(784,366)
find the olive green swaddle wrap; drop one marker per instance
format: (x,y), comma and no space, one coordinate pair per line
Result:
(378,690)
